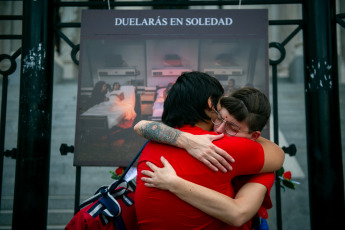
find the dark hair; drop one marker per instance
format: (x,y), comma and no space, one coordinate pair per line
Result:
(98,87)
(188,99)
(97,96)
(258,106)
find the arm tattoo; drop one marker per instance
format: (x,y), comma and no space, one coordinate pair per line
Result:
(161,133)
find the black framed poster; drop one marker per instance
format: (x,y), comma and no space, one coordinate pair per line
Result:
(128,59)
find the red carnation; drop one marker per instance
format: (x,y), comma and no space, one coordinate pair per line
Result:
(287,175)
(119,171)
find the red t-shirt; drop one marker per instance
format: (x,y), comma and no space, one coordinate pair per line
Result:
(266,179)
(159,209)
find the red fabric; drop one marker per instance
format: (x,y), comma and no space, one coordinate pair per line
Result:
(83,221)
(159,209)
(266,179)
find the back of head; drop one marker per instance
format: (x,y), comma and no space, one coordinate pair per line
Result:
(258,106)
(188,99)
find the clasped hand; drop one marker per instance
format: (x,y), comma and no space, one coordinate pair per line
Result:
(162,178)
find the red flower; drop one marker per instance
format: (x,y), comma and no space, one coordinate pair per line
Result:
(119,171)
(287,175)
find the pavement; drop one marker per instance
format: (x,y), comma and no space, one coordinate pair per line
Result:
(292,130)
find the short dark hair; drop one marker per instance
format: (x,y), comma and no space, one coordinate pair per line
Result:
(188,99)
(258,106)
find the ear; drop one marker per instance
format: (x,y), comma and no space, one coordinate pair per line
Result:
(209,102)
(255,135)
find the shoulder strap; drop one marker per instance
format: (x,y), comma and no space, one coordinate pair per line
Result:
(106,204)
(122,178)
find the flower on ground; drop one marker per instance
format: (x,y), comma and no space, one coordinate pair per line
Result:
(117,173)
(287,175)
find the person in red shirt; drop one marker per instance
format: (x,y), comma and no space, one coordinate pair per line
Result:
(256,187)
(189,109)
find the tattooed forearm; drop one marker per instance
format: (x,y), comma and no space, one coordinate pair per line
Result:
(159,132)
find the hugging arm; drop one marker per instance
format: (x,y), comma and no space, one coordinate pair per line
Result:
(199,146)
(234,212)
(274,155)
(202,148)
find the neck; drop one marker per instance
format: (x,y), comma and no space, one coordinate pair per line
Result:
(205,125)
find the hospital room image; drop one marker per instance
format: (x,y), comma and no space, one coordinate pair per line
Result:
(124,81)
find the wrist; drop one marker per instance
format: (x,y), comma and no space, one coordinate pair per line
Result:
(175,184)
(182,141)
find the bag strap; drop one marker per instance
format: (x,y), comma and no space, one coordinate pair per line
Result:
(122,178)
(106,205)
